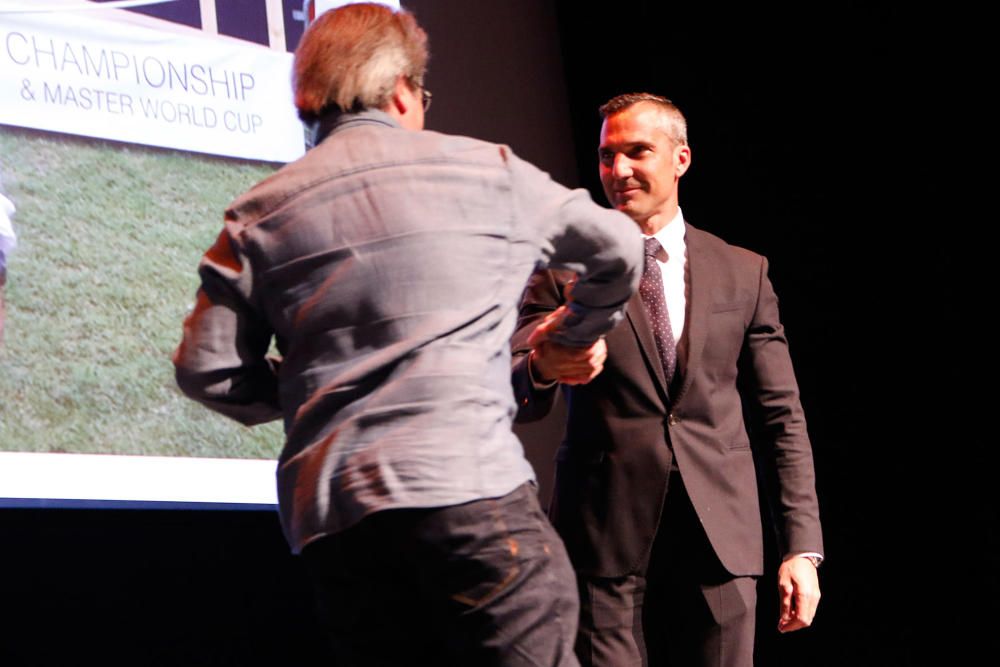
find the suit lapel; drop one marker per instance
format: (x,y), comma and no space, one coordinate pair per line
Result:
(702,279)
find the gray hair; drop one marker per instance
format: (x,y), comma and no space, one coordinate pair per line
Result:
(350,57)
(676,123)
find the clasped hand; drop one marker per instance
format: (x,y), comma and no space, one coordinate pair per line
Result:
(569,365)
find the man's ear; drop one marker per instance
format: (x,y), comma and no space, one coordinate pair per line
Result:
(682,159)
(405,105)
(399,102)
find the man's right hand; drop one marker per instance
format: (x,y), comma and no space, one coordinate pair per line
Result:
(568,365)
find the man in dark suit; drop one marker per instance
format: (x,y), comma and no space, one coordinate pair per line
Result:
(656,489)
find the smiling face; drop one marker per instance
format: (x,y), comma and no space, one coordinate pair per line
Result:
(641,163)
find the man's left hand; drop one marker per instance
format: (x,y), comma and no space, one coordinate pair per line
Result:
(798,590)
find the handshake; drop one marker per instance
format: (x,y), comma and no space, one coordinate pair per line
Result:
(553,362)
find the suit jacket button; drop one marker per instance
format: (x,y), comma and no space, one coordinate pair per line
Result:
(672,420)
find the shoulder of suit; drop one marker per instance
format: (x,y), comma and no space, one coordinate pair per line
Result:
(708,242)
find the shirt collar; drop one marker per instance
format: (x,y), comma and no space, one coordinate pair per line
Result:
(671,235)
(333,122)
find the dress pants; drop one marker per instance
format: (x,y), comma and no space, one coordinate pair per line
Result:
(684,609)
(483,583)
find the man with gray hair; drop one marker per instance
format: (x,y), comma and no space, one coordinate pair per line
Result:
(656,485)
(387,264)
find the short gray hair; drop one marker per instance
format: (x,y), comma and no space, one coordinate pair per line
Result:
(350,57)
(677,124)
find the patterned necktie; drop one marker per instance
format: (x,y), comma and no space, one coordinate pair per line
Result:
(651,292)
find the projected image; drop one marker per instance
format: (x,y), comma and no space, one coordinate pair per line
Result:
(126,128)
(122,139)
(109,239)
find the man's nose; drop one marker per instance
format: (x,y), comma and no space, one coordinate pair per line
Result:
(622,166)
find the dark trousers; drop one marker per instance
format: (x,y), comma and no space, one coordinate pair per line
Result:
(482,583)
(684,610)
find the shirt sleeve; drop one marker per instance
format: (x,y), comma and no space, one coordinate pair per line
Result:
(602,246)
(222,360)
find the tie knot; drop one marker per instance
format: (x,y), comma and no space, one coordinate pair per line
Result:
(653,247)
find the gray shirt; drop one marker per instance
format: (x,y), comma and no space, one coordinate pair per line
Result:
(388,265)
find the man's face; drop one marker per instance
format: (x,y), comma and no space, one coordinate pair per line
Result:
(640,165)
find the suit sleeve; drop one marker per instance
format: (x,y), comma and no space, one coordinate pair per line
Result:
(782,421)
(543,294)
(222,360)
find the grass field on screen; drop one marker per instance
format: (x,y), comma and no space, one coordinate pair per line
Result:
(109,238)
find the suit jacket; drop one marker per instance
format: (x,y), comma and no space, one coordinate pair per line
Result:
(623,432)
